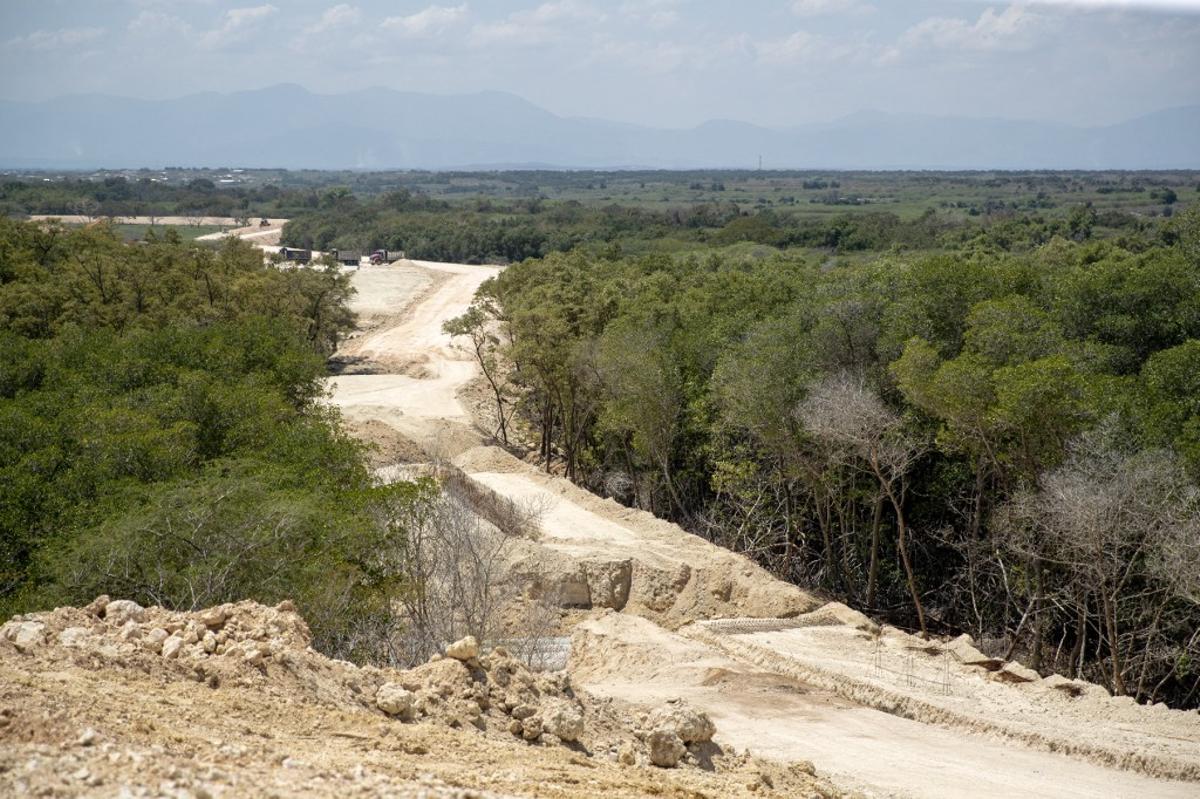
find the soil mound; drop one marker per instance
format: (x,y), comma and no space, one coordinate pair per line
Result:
(116,699)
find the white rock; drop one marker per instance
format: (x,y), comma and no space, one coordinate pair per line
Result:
(129,631)
(120,611)
(692,726)
(394,699)
(97,605)
(963,648)
(74,637)
(463,649)
(666,748)
(531,728)
(87,737)
(209,642)
(171,646)
(25,634)
(155,639)
(564,721)
(1015,672)
(522,711)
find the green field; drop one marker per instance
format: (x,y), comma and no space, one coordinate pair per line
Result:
(186,232)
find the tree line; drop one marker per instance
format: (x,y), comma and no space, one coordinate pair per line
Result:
(163,438)
(998,440)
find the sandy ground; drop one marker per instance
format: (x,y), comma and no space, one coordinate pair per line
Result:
(92,708)
(255,234)
(417,370)
(920,726)
(778,715)
(183,221)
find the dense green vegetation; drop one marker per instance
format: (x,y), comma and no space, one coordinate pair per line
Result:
(976,439)
(268,192)
(961,402)
(161,436)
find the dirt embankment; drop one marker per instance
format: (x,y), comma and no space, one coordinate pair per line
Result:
(177,221)
(666,630)
(782,674)
(118,700)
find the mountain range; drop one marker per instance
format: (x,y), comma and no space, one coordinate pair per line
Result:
(287,126)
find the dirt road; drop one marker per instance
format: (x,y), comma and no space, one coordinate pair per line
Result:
(414,371)
(885,714)
(179,221)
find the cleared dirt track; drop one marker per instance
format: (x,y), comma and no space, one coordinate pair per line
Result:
(884,713)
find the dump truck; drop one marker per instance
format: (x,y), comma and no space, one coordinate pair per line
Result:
(386,256)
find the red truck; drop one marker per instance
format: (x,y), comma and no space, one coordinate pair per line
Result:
(386,256)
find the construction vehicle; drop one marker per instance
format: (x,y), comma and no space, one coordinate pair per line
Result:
(386,256)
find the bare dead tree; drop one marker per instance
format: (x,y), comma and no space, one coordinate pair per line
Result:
(1121,529)
(454,563)
(842,411)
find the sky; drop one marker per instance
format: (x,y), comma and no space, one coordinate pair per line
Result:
(664,63)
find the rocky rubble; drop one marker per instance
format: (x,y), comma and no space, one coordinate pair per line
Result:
(232,651)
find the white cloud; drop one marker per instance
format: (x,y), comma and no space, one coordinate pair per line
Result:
(335,18)
(55,39)
(560,11)
(655,14)
(803,47)
(236,26)
(339,16)
(645,57)
(1014,28)
(153,23)
(427,22)
(817,8)
(1131,5)
(537,25)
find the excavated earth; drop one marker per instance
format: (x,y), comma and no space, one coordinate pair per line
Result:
(665,638)
(118,700)
(657,613)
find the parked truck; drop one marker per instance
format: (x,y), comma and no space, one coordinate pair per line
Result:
(386,256)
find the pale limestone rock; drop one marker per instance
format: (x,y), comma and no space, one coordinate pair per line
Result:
(171,646)
(463,649)
(563,720)
(25,634)
(531,728)
(96,606)
(522,712)
(75,637)
(692,726)
(395,700)
(666,748)
(155,638)
(119,611)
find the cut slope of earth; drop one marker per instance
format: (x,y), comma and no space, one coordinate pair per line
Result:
(857,701)
(116,700)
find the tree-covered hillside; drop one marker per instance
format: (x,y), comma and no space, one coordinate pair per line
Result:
(1003,440)
(162,436)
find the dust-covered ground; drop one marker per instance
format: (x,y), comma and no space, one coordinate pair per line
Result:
(663,628)
(117,700)
(666,614)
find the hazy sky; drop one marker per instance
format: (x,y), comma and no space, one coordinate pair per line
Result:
(658,62)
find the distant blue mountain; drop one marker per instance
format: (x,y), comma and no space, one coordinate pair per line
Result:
(288,126)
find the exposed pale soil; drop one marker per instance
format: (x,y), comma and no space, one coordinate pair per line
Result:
(653,613)
(876,709)
(232,702)
(181,221)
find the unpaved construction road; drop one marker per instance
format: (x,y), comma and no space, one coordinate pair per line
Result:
(880,712)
